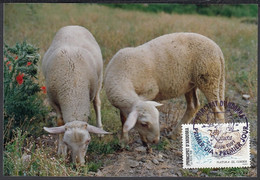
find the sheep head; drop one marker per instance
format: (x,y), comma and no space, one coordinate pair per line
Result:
(145,118)
(76,137)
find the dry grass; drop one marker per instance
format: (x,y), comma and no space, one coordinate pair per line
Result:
(115,29)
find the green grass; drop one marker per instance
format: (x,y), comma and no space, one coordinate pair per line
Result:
(116,28)
(103,147)
(228,172)
(45,162)
(209,10)
(162,145)
(231,172)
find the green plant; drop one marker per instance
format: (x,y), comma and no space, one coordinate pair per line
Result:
(13,153)
(101,147)
(235,171)
(93,166)
(22,106)
(205,170)
(163,144)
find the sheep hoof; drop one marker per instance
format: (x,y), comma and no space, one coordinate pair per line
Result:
(62,150)
(149,150)
(100,135)
(123,143)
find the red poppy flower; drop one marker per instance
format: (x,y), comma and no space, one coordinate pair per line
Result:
(28,63)
(16,58)
(19,78)
(43,88)
(9,66)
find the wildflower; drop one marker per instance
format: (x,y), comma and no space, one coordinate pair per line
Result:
(19,78)
(10,67)
(28,63)
(16,58)
(5,58)
(43,88)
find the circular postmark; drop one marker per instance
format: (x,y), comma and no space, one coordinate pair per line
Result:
(224,139)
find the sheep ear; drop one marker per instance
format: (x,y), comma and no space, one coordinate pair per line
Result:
(96,130)
(131,121)
(55,130)
(154,103)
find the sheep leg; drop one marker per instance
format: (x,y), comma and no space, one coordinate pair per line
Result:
(192,107)
(213,96)
(222,90)
(62,148)
(124,135)
(97,107)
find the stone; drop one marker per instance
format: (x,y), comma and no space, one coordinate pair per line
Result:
(204,175)
(91,173)
(194,171)
(179,173)
(155,161)
(133,163)
(143,159)
(139,141)
(99,173)
(164,155)
(140,149)
(245,96)
(160,160)
(26,158)
(148,166)
(214,172)
(150,174)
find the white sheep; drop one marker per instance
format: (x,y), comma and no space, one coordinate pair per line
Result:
(164,68)
(73,67)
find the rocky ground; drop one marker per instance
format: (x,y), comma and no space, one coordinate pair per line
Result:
(164,162)
(165,159)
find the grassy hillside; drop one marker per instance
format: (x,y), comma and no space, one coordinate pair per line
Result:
(115,29)
(243,10)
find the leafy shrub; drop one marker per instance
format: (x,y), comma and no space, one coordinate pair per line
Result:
(23,106)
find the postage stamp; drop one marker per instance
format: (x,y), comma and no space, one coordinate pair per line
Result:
(217,145)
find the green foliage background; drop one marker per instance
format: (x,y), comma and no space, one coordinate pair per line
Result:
(249,10)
